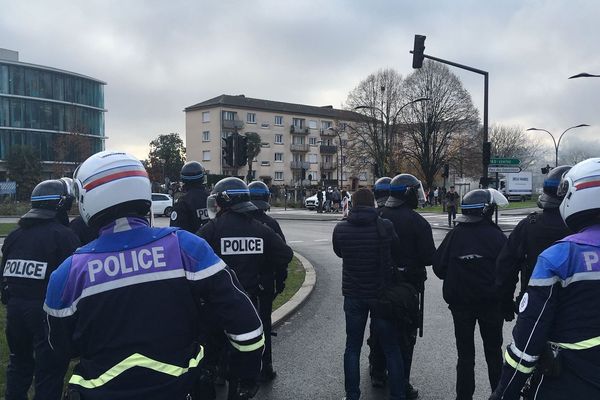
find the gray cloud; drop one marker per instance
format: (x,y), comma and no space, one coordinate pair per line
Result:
(159,57)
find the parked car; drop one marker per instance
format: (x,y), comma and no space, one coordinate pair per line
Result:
(312,202)
(162,204)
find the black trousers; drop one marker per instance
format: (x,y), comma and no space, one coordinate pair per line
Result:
(30,353)
(265,308)
(407,338)
(451,214)
(490,322)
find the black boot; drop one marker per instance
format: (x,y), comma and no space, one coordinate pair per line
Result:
(411,392)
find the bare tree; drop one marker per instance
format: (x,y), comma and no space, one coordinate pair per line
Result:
(431,126)
(514,142)
(377,100)
(254,145)
(577,150)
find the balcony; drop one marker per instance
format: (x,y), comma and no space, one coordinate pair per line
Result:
(232,124)
(299,165)
(328,132)
(299,130)
(299,147)
(327,166)
(328,149)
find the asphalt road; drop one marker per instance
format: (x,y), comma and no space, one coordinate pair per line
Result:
(308,351)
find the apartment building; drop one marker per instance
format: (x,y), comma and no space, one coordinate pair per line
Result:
(295,137)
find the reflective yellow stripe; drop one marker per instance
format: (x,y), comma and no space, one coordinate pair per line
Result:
(583,345)
(249,347)
(136,360)
(516,365)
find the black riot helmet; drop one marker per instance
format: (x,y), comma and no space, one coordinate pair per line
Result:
(230,194)
(260,195)
(549,199)
(381,190)
(479,204)
(192,173)
(48,198)
(405,189)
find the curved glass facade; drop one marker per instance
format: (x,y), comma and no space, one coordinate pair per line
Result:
(50,110)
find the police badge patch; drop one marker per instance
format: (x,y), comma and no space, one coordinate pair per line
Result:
(523,304)
(173,215)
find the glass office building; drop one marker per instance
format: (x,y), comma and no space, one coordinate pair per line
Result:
(59,114)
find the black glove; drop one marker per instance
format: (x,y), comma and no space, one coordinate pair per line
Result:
(279,286)
(508,311)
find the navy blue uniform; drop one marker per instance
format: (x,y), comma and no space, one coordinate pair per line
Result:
(30,254)
(189,211)
(560,309)
(127,305)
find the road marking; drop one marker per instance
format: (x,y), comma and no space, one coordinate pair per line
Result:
(296,241)
(321,240)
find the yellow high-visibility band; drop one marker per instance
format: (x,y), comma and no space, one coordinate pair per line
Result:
(583,345)
(249,347)
(516,365)
(136,360)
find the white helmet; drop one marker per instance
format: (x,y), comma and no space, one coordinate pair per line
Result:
(581,190)
(108,179)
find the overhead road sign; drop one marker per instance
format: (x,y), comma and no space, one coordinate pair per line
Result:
(505,161)
(503,169)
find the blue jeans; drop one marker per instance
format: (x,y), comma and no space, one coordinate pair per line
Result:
(357,311)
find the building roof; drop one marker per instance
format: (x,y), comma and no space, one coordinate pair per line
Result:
(241,101)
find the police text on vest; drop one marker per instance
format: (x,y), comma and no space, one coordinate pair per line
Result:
(241,245)
(124,263)
(25,269)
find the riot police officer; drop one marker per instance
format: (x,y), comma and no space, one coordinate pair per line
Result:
(251,248)
(30,254)
(272,280)
(530,237)
(417,251)
(466,262)
(558,326)
(189,211)
(381,191)
(127,304)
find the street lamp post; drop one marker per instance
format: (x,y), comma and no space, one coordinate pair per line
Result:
(385,116)
(557,144)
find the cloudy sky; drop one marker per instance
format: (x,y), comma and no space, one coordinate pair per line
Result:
(159,57)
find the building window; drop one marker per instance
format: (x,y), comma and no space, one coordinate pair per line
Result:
(265,144)
(312,141)
(279,120)
(206,116)
(251,118)
(312,124)
(278,175)
(228,115)
(278,157)
(312,158)
(265,163)
(278,139)
(206,136)
(297,139)
(298,122)
(326,125)
(206,155)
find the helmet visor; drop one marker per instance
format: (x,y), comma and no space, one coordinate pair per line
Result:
(563,187)
(498,198)
(420,193)
(211,206)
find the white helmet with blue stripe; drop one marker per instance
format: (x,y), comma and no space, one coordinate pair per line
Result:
(110,183)
(581,190)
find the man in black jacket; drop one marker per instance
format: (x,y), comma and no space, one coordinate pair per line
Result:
(466,262)
(189,211)
(367,244)
(30,254)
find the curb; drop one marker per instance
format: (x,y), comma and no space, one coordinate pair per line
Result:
(290,306)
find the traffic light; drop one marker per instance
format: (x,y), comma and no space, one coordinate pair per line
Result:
(446,172)
(241,150)
(228,150)
(487,152)
(418,50)
(546,169)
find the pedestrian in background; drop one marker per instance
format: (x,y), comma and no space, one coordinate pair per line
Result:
(320,200)
(367,245)
(452,199)
(466,262)
(436,193)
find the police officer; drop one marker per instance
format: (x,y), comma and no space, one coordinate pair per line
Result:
(272,281)
(248,246)
(530,237)
(189,211)
(466,262)
(30,254)
(417,251)
(381,191)
(558,326)
(127,304)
